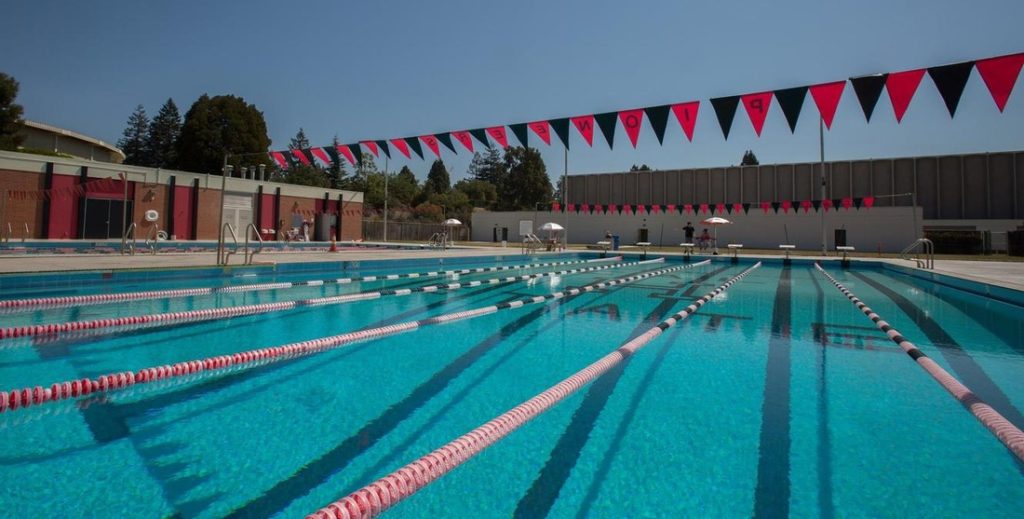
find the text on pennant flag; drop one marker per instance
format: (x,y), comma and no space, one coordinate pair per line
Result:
(585,125)
(686,114)
(631,121)
(431,143)
(400,144)
(543,130)
(757,108)
(498,134)
(465,139)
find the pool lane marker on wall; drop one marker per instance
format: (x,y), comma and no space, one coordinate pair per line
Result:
(1003,429)
(262,308)
(380,495)
(96,299)
(72,389)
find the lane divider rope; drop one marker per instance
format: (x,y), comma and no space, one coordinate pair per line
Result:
(261,308)
(997,424)
(95,299)
(384,493)
(25,397)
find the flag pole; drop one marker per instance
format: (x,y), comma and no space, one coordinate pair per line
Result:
(821,149)
(565,200)
(385,198)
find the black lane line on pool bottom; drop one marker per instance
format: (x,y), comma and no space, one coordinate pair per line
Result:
(771,498)
(541,496)
(316,472)
(826,508)
(971,373)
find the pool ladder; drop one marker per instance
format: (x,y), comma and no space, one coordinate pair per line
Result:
(126,245)
(152,238)
(438,239)
(927,261)
(224,255)
(531,244)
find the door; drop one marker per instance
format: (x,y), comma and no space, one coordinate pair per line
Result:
(103,218)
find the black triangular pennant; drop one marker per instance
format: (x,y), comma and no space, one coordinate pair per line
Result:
(480,134)
(746,207)
(951,80)
(607,122)
(358,152)
(725,110)
(868,90)
(776,206)
(519,130)
(289,158)
(309,155)
(791,100)
(446,139)
(561,128)
(858,201)
(816,204)
(794,205)
(837,203)
(658,117)
(414,145)
(333,153)
(712,207)
(728,208)
(383,145)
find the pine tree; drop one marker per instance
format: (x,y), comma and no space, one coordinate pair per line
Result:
(299,142)
(749,159)
(489,167)
(10,114)
(133,140)
(337,173)
(162,139)
(404,187)
(438,182)
(527,184)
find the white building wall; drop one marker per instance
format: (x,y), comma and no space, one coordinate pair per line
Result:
(888,229)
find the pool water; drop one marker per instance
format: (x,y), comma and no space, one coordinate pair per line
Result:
(777,398)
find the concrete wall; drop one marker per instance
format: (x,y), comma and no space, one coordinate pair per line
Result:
(973,187)
(889,228)
(150,189)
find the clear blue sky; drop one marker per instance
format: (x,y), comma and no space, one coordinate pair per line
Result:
(399,68)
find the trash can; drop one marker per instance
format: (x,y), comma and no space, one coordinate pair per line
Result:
(615,242)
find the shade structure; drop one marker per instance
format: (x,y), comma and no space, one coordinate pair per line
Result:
(715,221)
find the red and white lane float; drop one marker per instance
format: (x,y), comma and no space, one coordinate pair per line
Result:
(1007,433)
(19,398)
(96,299)
(238,311)
(384,493)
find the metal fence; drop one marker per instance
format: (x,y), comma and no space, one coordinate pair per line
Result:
(373,230)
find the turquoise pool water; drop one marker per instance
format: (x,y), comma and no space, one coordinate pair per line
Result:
(778,398)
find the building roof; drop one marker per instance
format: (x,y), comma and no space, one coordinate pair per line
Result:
(74,135)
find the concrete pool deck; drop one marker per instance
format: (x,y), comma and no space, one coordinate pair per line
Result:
(1006,274)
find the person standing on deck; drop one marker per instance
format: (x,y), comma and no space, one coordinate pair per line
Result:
(688,231)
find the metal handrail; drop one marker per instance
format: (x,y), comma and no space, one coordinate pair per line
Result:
(10,232)
(531,243)
(152,237)
(25,234)
(927,248)
(224,255)
(249,231)
(125,246)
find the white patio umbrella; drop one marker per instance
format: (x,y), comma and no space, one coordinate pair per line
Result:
(451,222)
(552,228)
(715,221)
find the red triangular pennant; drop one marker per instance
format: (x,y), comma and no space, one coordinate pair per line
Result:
(347,153)
(786,206)
(737,207)
(431,143)
(585,125)
(704,208)
(826,204)
(670,208)
(399,143)
(806,204)
(555,206)
(847,202)
(1000,74)
(655,209)
(542,129)
(688,208)
(498,134)
(757,108)
(322,155)
(278,158)
(585,208)
(465,139)
(627,208)
(631,121)
(869,201)
(571,208)
(765,206)
(720,208)
(372,146)
(826,98)
(901,87)
(301,156)
(686,114)
(609,208)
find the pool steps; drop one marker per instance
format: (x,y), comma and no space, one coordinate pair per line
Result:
(380,495)
(1003,429)
(244,310)
(25,397)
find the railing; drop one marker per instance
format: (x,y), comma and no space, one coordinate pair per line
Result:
(927,249)
(26,233)
(224,255)
(438,239)
(10,232)
(127,246)
(249,231)
(531,243)
(152,237)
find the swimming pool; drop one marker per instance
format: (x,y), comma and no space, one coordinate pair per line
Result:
(777,397)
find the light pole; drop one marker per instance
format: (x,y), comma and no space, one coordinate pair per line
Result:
(565,200)
(821,147)
(385,198)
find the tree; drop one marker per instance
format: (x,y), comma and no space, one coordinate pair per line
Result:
(337,173)
(403,187)
(299,142)
(642,167)
(489,167)
(162,139)
(527,183)
(749,159)
(133,140)
(219,126)
(480,193)
(10,114)
(438,182)
(304,175)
